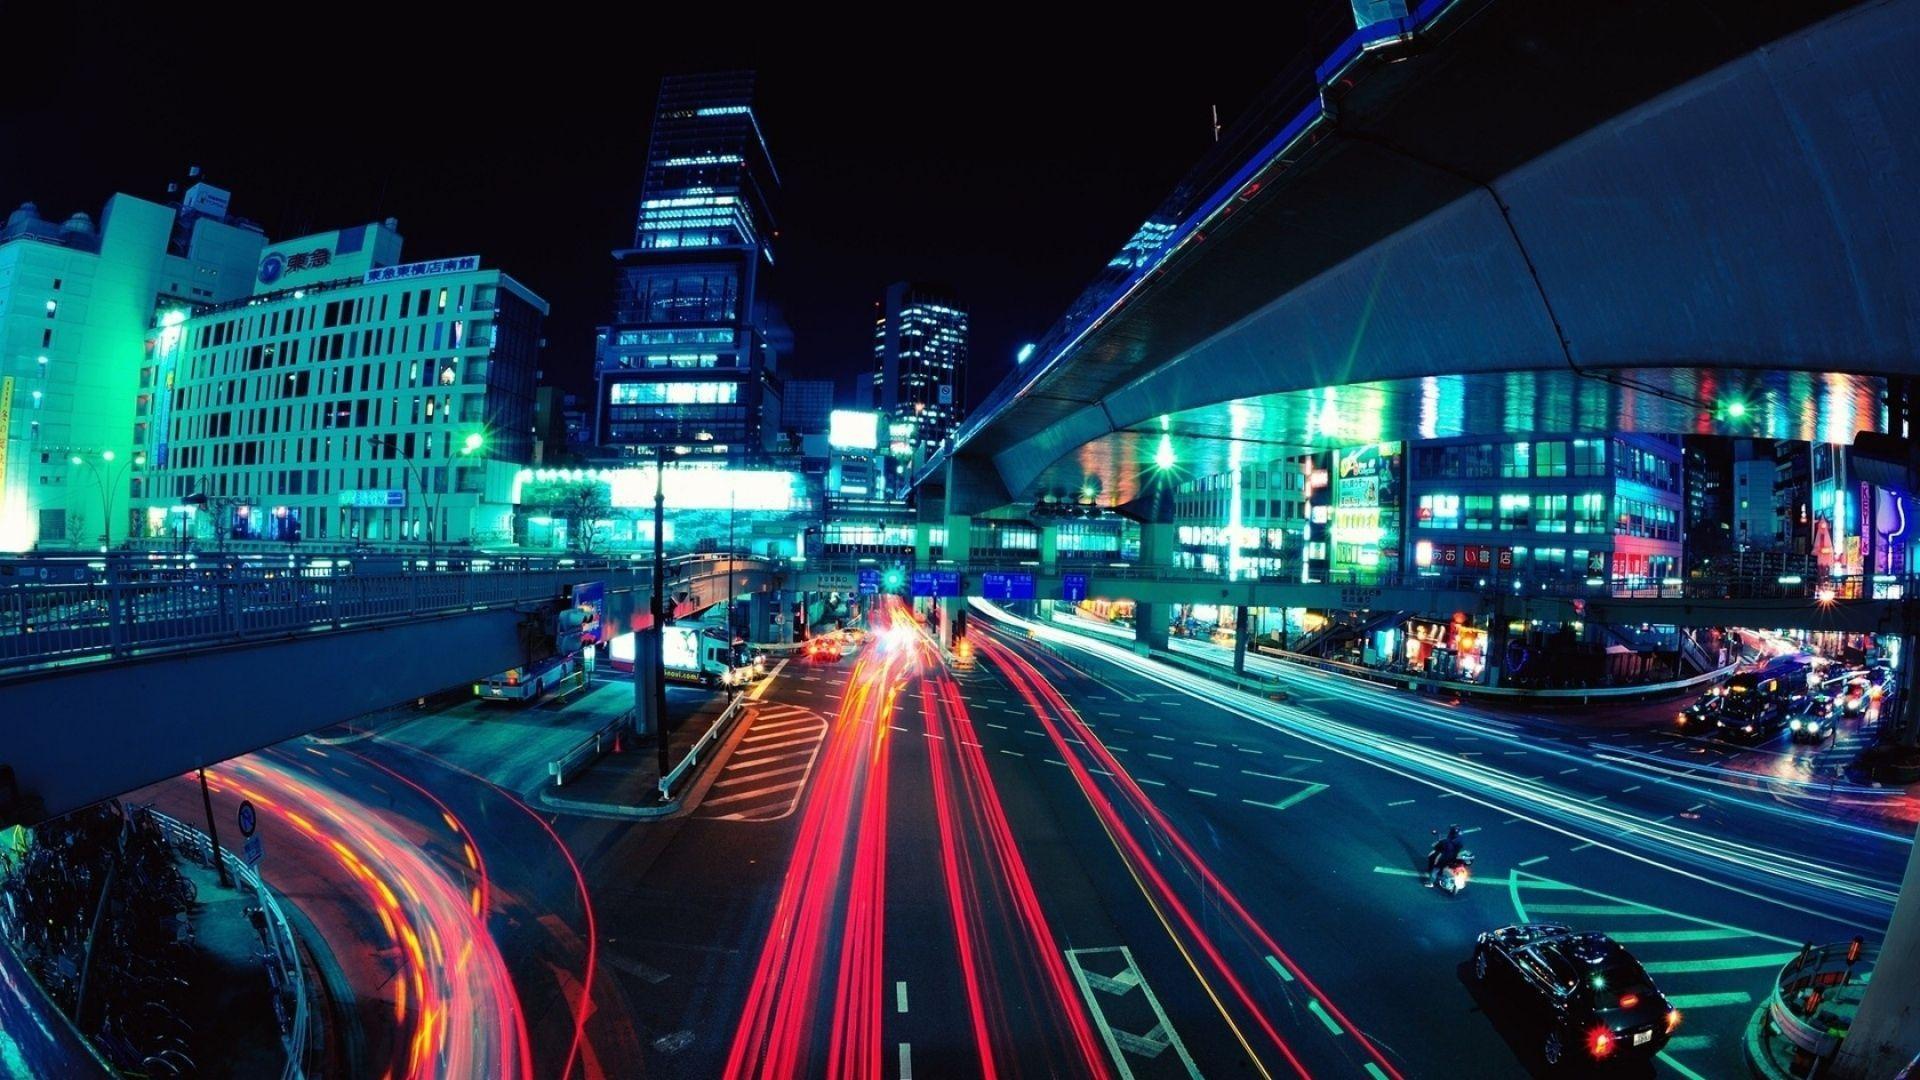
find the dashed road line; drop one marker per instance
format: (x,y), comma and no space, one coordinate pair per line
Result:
(1536,859)
(900,997)
(1209,794)
(1401,802)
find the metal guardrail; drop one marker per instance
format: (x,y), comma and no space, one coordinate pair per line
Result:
(1581,694)
(1818,971)
(1490,581)
(706,739)
(293,1036)
(588,750)
(139,609)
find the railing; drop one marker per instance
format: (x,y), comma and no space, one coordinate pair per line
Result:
(589,749)
(1506,582)
(284,949)
(693,755)
(138,609)
(1580,695)
(1831,975)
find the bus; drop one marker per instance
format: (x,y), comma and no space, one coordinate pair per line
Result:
(531,683)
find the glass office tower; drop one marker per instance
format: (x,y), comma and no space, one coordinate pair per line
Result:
(688,359)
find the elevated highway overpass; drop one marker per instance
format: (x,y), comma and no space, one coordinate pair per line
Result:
(107,685)
(1499,217)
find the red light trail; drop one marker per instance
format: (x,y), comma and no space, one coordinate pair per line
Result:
(1047,703)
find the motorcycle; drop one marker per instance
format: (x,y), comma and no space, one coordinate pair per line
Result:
(1453,876)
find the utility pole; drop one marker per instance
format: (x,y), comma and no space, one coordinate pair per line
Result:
(213,832)
(660,603)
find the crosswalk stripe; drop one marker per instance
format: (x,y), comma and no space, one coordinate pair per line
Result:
(750,778)
(1719,963)
(1646,937)
(754,794)
(1705,1001)
(807,740)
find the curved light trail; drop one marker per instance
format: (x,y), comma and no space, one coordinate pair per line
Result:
(1739,867)
(1067,731)
(454,1002)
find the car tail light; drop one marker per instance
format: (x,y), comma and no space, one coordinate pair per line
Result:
(1599,1042)
(1673,1020)
(1628,1001)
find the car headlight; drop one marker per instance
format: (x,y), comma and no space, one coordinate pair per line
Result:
(1795,725)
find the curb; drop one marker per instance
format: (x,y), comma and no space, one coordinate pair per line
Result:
(583,808)
(1759,1065)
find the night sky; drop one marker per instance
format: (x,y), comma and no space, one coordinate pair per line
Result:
(1010,167)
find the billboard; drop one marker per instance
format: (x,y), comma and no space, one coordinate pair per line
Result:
(592,595)
(853,429)
(309,260)
(680,648)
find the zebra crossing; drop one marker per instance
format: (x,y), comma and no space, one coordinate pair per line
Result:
(768,770)
(1716,974)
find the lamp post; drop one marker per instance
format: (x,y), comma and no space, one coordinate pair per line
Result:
(107,481)
(473,443)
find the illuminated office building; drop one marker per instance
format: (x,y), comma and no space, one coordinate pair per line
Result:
(689,358)
(351,398)
(1565,507)
(919,365)
(78,302)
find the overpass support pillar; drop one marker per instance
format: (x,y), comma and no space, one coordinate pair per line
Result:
(1049,548)
(1885,1034)
(1240,640)
(1156,544)
(647,693)
(1150,627)
(923,543)
(1496,648)
(959,546)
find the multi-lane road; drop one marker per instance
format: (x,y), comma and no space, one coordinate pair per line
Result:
(1044,856)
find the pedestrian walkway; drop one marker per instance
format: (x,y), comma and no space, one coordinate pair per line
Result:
(230,1007)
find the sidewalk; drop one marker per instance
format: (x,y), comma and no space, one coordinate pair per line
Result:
(626,783)
(229,1006)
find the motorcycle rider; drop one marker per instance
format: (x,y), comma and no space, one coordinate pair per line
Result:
(1445,851)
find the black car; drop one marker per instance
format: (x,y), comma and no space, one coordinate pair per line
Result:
(1700,715)
(1749,720)
(1588,996)
(1813,719)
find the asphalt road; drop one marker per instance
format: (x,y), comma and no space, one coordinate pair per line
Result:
(1050,857)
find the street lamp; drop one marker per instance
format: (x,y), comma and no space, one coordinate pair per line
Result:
(473,443)
(659,628)
(107,481)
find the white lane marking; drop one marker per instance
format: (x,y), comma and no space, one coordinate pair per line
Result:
(1165,738)
(739,795)
(1013,753)
(748,778)
(1209,794)
(991,724)
(1251,750)
(1401,802)
(1206,764)
(783,745)
(900,997)
(1162,757)
(1097,986)
(1208,745)
(1144,780)
(1115,715)
(906,1061)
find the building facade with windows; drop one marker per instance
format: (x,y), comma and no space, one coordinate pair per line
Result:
(690,356)
(78,307)
(1566,507)
(350,399)
(920,364)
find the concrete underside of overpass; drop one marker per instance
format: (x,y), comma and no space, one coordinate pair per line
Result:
(88,731)
(1519,227)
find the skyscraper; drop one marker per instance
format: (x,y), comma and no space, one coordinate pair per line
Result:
(920,364)
(689,357)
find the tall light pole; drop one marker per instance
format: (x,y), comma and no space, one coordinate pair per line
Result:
(472,444)
(107,482)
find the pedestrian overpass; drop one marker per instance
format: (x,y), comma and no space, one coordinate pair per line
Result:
(107,685)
